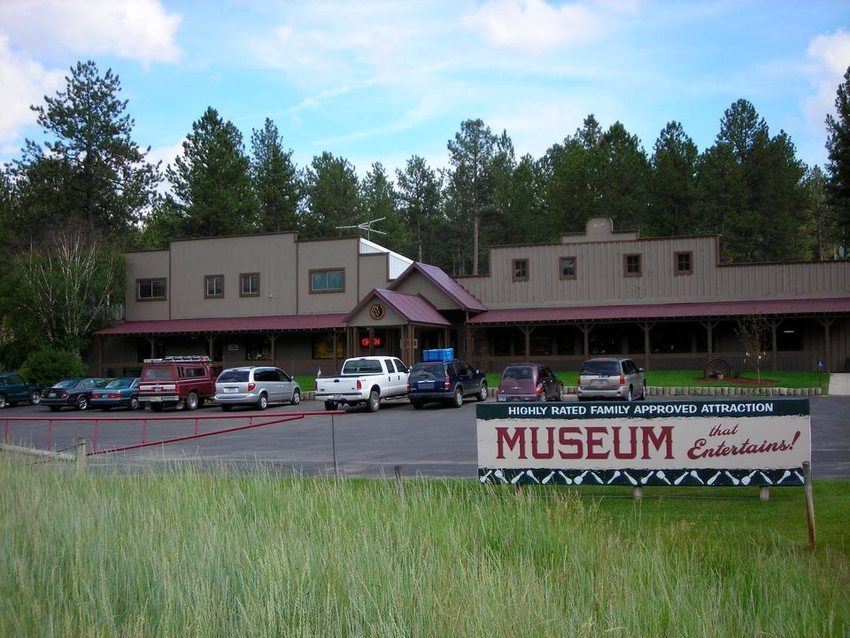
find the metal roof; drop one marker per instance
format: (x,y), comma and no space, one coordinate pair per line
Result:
(457,293)
(412,308)
(228,324)
(634,312)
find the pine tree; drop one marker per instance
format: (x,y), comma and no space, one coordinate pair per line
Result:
(838,167)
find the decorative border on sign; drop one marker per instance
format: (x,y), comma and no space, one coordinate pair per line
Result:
(791,477)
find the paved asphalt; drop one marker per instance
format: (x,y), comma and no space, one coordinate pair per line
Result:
(436,441)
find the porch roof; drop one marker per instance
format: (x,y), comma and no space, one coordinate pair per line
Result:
(282,323)
(697,310)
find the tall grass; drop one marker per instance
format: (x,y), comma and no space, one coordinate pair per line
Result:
(190,553)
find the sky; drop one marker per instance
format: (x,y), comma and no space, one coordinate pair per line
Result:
(382,80)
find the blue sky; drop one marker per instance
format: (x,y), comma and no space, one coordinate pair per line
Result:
(380,81)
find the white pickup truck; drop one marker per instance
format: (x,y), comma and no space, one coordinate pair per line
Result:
(364,381)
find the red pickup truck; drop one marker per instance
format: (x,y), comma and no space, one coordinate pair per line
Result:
(172,381)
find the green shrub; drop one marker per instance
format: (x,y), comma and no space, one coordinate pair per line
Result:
(46,367)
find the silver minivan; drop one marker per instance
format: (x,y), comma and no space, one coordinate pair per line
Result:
(611,378)
(257,386)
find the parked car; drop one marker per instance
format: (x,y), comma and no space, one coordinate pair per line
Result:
(611,378)
(15,389)
(182,380)
(366,380)
(529,382)
(118,393)
(71,393)
(257,386)
(446,381)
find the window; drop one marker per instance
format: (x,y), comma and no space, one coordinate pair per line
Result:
(323,347)
(568,267)
(631,265)
(257,349)
(150,289)
(327,280)
(684,265)
(213,286)
(520,270)
(249,284)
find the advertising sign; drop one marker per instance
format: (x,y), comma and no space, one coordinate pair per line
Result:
(762,442)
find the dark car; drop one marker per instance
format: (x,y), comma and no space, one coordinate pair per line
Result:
(611,378)
(71,393)
(118,393)
(446,381)
(15,389)
(529,382)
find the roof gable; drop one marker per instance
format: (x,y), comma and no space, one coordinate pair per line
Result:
(446,284)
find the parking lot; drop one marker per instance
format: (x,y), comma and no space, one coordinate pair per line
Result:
(435,441)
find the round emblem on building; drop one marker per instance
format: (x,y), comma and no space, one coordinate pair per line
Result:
(377,311)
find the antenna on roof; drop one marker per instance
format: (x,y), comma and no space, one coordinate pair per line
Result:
(367,226)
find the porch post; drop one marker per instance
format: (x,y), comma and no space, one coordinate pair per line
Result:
(709,325)
(272,337)
(526,331)
(646,326)
(585,329)
(774,324)
(827,346)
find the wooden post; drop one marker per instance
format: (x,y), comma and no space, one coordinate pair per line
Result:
(764,493)
(399,483)
(638,492)
(80,458)
(810,504)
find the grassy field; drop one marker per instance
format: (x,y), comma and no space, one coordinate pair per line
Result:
(693,378)
(188,553)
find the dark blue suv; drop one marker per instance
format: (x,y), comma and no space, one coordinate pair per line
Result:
(445,381)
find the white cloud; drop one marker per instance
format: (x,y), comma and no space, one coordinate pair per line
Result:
(137,29)
(533,25)
(829,57)
(24,83)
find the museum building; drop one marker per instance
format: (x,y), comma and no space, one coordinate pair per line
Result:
(305,305)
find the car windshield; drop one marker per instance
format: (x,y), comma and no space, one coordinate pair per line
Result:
(120,383)
(518,372)
(233,376)
(158,373)
(68,383)
(607,368)
(430,368)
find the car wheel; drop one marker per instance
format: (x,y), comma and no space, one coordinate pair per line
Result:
(482,393)
(374,401)
(3,403)
(262,402)
(35,398)
(330,406)
(296,397)
(542,396)
(643,392)
(191,402)
(82,403)
(54,408)
(630,395)
(457,398)
(226,408)
(417,404)
(134,403)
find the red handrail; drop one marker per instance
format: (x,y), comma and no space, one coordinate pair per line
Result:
(196,433)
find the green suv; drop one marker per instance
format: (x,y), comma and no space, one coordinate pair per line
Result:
(15,389)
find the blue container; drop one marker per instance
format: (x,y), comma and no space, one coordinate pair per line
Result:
(438,354)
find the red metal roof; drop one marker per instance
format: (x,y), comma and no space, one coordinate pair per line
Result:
(632,312)
(412,308)
(457,293)
(229,324)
